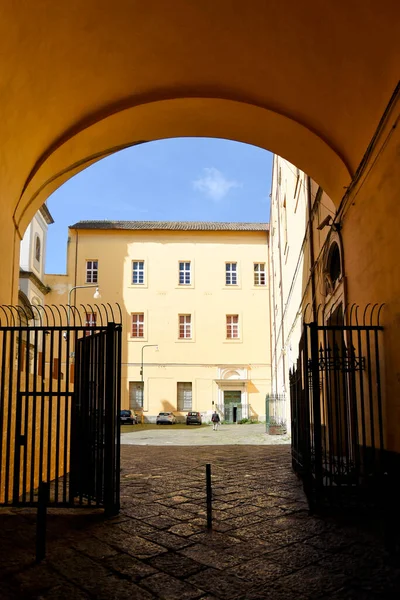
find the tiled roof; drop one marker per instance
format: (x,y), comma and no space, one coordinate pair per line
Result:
(171,225)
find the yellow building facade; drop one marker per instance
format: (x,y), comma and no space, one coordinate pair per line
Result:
(195,308)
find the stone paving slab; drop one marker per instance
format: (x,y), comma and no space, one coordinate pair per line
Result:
(263,545)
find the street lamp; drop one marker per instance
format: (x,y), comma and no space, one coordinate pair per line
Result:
(141,367)
(96,296)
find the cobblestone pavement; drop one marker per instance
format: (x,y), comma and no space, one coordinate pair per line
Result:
(248,434)
(263,544)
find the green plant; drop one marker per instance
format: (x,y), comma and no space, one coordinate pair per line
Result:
(275,422)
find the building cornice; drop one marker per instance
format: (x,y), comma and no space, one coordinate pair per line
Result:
(44,211)
(35,280)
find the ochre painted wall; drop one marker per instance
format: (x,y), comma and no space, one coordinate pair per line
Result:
(10,245)
(371,243)
(82,80)
(369,221)
(204,359)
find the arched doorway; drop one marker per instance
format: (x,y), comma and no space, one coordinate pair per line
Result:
(233,398)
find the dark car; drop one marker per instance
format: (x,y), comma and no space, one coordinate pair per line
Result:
(193,418)
(128,417)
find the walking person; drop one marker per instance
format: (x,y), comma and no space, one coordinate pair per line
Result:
(215,420)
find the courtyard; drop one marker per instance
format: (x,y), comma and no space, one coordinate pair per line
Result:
(263,543)
(190,435)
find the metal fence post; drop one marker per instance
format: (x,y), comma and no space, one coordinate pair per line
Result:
(316,404)
(41,521)
(267,400)
(209,496)
(111,493)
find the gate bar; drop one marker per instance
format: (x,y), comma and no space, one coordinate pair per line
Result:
(316,409)
(41,521)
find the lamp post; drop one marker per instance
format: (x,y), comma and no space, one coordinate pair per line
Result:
(96,296)
(141,367)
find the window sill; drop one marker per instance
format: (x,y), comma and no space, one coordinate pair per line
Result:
(185,341)
(233,341)
(138,286)
(185,286)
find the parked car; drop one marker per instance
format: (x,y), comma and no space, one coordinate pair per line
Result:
(128,417)
(166,418)
(193,418)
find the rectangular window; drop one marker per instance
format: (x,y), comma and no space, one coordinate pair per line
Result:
(185,326)
(56,368)
(185,273)
(259,274)
(184,396)
(231,273)
(90,321)
(135,395)
(92,271)
(138,272)
(138,325)
(232,326)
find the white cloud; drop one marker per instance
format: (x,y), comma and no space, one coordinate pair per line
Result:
(214,184)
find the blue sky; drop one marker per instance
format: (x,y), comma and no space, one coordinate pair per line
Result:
(182,179)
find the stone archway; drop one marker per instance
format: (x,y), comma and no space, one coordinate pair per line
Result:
(83,80)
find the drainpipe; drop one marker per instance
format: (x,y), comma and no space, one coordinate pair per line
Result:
(274,363)
(272,310)
(281,280)
(76,261)
(312,255)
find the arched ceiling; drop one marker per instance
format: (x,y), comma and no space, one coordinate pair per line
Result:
(82,78)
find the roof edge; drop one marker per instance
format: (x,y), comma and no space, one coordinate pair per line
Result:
(171,225)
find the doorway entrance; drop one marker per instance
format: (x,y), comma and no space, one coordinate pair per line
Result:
(232,406)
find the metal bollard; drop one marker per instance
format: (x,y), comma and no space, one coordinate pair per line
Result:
(209,496)
(41,521)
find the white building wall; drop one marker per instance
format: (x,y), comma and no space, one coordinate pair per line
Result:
(289,268)
(36,229)
(39,229)
(25,249)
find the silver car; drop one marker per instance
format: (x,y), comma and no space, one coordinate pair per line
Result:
(166,418)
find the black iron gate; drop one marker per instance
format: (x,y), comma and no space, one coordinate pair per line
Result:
(338,445)
(60,372)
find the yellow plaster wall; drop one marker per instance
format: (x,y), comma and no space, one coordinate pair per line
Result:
(162,299)
(370,237)
(369,222)
(303,80)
